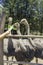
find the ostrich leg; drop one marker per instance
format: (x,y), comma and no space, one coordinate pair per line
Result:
(36,60)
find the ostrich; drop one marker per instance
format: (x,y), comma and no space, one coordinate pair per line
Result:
(28,42)
(21,48)
(37,43)
(24,21)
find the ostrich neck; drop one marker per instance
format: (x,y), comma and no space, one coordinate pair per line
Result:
(20,41)
(28,32)
(27,29)
(18,32)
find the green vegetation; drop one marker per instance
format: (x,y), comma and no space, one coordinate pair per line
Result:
(1,8)
(32,10)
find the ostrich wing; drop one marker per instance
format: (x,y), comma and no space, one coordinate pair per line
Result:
(38,43)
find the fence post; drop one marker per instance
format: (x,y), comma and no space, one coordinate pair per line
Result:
(2,22)
(1,53)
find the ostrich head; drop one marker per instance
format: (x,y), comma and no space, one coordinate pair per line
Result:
(24,21)
(27,28)
(10,19)
(17,25)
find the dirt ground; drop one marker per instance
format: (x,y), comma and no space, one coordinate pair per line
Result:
(40,61)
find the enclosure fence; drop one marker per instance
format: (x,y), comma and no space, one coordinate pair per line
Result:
(18,36)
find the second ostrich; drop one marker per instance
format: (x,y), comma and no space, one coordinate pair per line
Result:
(37,43)
(28,42)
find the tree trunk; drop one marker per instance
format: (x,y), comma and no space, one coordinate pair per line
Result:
(2,23)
